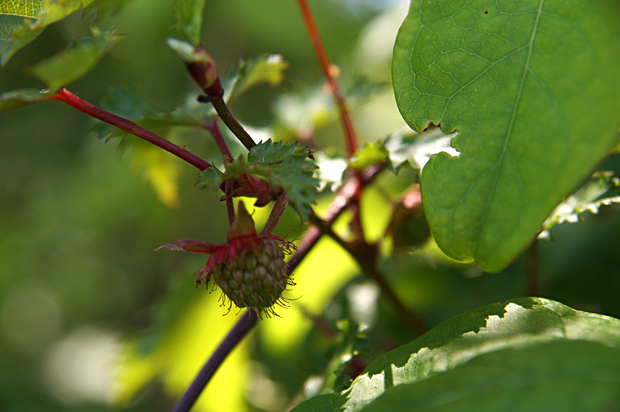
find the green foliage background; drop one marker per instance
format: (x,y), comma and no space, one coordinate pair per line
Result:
(78,220)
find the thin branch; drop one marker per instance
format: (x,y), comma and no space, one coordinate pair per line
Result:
(216,133)
(237,333)
(365,255)
(130,127)
(232,123)
(328,70)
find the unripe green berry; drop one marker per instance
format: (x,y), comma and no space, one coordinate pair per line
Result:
(261,284)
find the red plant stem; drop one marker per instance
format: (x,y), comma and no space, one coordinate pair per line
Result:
(326,65)
(130,127)
(216,133)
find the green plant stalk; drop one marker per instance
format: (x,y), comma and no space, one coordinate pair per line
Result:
(216,133)
(130,127)
(229,120)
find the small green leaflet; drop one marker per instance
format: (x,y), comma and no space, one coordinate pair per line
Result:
(189,14)
(62,69)
(412,150)
(18,98)
(371,153)
(281,164)
(262,69)
(79,58)
(594,194)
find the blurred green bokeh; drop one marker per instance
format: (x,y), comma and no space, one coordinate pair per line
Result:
(78,220)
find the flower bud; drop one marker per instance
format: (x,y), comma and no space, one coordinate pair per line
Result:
(200,65)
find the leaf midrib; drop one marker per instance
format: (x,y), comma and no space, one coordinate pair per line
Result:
(508,135)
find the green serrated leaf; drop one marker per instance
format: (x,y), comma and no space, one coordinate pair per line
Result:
(22,21)
(516,324)
(262,69)
(281,164)
(593,195)
(561,375)
(18,98)
(532,89)
(211,178)
(286,166)
(189,15)
(76,61)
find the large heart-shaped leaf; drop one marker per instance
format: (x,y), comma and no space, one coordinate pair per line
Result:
(519,324)
(533,89)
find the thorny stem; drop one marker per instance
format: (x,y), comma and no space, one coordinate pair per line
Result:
(232,123)
(237,333)
(130,127)
(328,70)
(216,133)
(309,240)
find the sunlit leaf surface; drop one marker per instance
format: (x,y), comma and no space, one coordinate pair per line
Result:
(560,375)
(517,324)
(532,88)
(590,197)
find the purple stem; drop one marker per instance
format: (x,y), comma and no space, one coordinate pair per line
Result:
(238,332)
(130,127)
(214,129)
